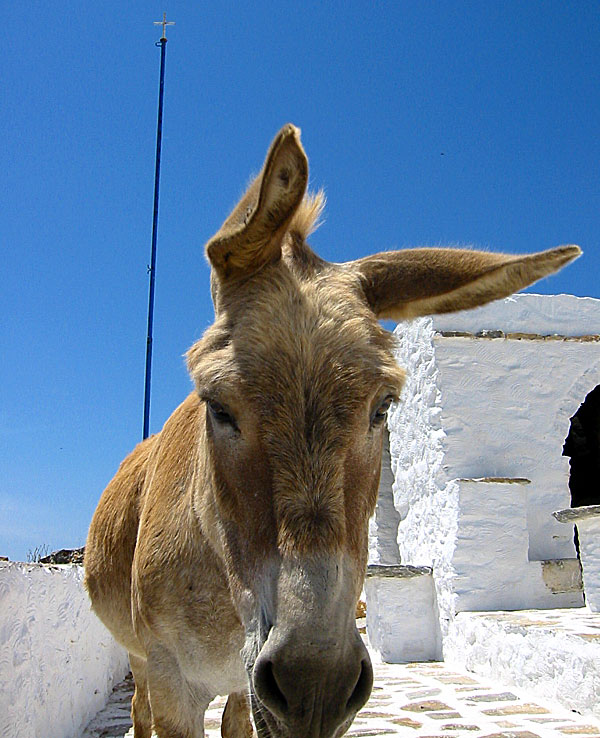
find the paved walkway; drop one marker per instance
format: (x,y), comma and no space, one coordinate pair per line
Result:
(423,700)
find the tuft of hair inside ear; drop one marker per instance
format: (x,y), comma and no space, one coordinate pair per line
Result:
(309,215)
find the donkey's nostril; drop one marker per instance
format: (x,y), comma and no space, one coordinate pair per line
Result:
(267,689)
(362,688)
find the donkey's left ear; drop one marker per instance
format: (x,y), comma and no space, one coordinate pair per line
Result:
(407,284)
(251,236)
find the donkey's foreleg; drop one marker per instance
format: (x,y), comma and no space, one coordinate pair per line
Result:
(177,706)
(236,722)
(141,714)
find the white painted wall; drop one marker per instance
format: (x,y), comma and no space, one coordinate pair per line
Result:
(507,403)
(550,661)
(479,408)
(383,526)
(58,663)
(402,615)
(589,545)
(425,498)
(565,315)
(491,565)
(506,412)
(587,519)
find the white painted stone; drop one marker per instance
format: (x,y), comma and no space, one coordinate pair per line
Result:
(492,568)
(506,409)
(402,616)
(423,496)
(589,548)
(587,519)
(383,526)
(548,661)
(58,663)
(565,315)
(480,408)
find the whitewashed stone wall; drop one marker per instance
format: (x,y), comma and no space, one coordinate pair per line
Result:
(589,543)
(475,413)
(507,405)
(564,315)
(425,499)
(587,519)
(58,663)
(383,526)
(492,569)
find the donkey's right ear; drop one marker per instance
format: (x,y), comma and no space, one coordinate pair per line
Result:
(407,284)
(251,236)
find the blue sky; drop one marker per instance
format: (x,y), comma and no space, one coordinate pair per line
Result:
(427,123)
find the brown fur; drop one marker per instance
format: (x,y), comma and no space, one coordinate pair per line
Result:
(229,551)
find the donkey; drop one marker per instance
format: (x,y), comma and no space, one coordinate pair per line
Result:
(228,553)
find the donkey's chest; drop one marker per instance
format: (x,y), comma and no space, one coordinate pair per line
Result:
(212,661)
(192,615)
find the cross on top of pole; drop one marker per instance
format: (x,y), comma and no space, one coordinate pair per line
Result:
(164,23)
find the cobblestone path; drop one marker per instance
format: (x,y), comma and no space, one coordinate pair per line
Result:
(423,700)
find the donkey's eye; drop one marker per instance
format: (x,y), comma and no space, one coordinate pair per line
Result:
(220,414)
(381,412)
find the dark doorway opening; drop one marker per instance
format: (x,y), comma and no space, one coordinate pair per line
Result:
(583,446)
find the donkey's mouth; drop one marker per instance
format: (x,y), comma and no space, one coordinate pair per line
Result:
(267,725)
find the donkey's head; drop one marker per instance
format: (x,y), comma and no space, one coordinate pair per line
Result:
(297,375)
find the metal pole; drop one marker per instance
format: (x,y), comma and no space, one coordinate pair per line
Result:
(152,268)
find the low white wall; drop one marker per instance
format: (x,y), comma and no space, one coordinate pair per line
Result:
(58,663)
(402,614)
(546,660)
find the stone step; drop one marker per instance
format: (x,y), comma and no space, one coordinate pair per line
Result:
(587,520)
(555,654)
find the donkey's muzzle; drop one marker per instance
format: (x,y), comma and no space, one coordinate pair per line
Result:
(312,689)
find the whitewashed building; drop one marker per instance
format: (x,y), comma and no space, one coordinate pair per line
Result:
(475,469)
